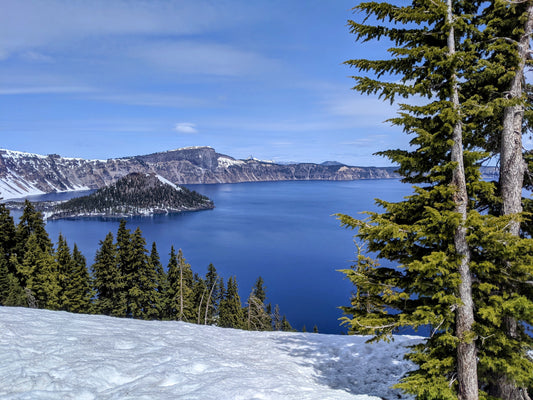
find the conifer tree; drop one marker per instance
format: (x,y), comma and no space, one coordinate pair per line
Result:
(285,325)
(65,267)
(141,281)
(186,310)
(199,295)
(231,313)
(161,282)
(171,298)
(31,222)
(276,319)
(427,234)
(11,293)
(81,287)
(7,234)
(214,290)
(257,317)
(5,282)
(107,280)
(506,39)
(124,259)
(40,274)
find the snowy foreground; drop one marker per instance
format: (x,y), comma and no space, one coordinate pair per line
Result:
(57,355)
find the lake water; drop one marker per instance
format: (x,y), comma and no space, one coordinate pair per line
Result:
(282,231)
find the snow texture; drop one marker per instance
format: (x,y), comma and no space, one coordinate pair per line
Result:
(167,182)
(57,355)
(225,162)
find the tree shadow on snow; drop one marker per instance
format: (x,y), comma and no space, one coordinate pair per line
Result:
(356,368)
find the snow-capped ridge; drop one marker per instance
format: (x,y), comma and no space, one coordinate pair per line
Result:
(22,174)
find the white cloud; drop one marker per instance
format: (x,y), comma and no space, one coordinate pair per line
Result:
(45,90)
(186,127)
(27,24)
(203,58)
(152,100)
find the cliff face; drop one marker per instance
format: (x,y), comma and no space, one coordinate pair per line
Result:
(22,174)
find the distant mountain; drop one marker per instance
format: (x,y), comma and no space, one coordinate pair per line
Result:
(134,194)
(331,163)
(23,174)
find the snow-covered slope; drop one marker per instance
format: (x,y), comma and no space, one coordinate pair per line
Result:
(57,355)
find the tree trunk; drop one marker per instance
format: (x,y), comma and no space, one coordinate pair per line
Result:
(208,300)
(512,168)
(181,293)
(466,348)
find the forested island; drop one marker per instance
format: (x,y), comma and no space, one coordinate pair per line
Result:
(133,195)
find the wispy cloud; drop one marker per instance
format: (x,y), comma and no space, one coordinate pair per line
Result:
(29,24)
(203,58)
(153,100)
(45,90)
(186,127)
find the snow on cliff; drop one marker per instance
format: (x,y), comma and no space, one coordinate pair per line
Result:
(57,355)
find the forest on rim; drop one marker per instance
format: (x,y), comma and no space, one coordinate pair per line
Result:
(124,281)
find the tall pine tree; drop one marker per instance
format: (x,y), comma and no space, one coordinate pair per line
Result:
(142,281)
(231,314)
(445,248)
(81,291)
(107,280)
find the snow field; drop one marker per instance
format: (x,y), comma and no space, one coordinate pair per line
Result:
(57,355)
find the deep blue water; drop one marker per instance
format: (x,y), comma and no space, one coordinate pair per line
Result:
(282,231)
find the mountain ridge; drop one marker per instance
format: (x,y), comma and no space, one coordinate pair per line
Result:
(23,174)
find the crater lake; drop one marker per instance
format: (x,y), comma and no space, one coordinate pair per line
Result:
(284,232)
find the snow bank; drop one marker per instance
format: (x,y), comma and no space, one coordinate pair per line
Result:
(57,355)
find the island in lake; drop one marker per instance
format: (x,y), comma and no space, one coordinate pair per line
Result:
(135,194)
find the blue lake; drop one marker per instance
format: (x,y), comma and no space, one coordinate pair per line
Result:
(282,231)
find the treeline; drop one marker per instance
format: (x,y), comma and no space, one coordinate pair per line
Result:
(133,192)
(125,280)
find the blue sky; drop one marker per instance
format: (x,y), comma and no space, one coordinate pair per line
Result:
(113,78)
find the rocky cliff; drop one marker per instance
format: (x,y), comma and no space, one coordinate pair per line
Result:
(22,174)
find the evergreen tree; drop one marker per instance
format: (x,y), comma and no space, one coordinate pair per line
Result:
(141,281)
(286,326)
(171,298)
(7,235)
(257,318)
(11,293)
(124,259)
(65,267)
(199,295)
(40,274)
(81,291)
(31,222)
(506,41)
(186,311)
(231,312)
(214,291)
(107,280)
(276,319)
(436,235)
(161,282)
